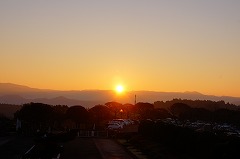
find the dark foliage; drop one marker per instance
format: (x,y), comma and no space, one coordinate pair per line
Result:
(115,107)
(36,112)
(78,114)
(100,113)
(225,115)
(206,104)
(177,109)
(185,112)
(184,142)
(145,110)
(6,125)
(194,114)
(35,116)
(160,114)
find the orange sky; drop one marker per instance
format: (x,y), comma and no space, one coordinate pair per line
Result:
(144,45)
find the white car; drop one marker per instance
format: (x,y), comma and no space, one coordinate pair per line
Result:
(120,121)
(114,126)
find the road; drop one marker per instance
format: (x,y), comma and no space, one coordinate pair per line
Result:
(93,148)
(15,147)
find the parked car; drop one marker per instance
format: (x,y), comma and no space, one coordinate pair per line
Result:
(119,121)
(114,126)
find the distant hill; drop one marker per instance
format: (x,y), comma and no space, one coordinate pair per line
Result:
(13,99)
(17,94)
(65,101)
(9,88)
(237,103)
(18,100)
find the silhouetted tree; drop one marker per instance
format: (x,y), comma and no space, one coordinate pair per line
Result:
(100,113)
(144,110)
(161,114)
(38,115)
(194,114)
(177,109)
(6,125)
(130,110)
(229,116)
(115,107)
(206,104)
(78,114)
(59,115)
(160,104)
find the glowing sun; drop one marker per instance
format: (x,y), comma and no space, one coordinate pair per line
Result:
(119,88)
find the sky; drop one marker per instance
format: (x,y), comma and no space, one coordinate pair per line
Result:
(156,45)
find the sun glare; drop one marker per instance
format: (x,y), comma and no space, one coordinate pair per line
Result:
(119,89)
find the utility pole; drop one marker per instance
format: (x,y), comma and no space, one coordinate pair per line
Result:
(135,102)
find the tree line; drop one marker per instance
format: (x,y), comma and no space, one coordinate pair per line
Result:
(206,104)
(39,116)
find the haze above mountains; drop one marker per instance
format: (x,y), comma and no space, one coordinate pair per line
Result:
(18,94)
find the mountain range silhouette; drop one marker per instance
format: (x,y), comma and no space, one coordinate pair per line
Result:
(19,94)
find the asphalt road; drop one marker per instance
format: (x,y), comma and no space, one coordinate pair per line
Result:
(15,147)
(90,148)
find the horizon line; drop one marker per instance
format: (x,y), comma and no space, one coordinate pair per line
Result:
(49,89)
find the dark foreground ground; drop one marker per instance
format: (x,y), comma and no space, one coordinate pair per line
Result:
(90,148)
(15,147)
(86,148)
